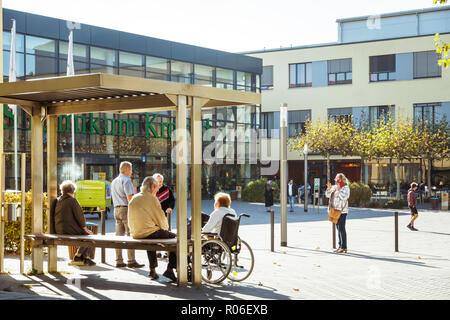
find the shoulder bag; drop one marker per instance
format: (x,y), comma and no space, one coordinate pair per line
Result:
(333,213)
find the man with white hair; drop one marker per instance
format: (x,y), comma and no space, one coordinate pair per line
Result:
(122,190)
(164,195)
(148,221)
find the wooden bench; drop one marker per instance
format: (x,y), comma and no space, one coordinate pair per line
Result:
(103,241)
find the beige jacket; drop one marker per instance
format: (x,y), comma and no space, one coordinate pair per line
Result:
(145,215)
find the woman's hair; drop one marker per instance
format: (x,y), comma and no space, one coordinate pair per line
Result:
(148,183)
(414,185)
(156,175)
(223,199)
(68,187)
(343,178)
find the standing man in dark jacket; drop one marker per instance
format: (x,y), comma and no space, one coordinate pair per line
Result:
(292,194)
(69,219)
(412,203)
(164,195)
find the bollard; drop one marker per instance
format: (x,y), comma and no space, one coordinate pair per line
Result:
(396,230)
(103,233)
(169,221)
(272,230)
(333,230)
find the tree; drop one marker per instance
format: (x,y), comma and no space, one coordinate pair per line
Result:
(327,138)
(441,47)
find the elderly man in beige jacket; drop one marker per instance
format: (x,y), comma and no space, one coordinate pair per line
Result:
(147,220)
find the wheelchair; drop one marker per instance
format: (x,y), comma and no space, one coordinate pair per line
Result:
(226,255)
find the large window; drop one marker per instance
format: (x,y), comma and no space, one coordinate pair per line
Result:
(426,65)
(224,78)
(20,57)
(340,114)
(243,81)
(382,68)
(340,71)
(131,64)
(267,123)
(300,75)
(267,78)
(80,58)
(203,75)
(157,68)
(40,57)
(377,113)
(297,120)
(427,113)
(103,60)
(181,72)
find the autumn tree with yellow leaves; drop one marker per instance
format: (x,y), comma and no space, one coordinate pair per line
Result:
(442,48)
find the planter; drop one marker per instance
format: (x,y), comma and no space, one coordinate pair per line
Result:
(434,203)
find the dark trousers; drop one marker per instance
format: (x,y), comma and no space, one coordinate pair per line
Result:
(162,234)
(342,234)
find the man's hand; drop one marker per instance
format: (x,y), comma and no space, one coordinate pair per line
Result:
(328,186)
(169,210)
(87,231)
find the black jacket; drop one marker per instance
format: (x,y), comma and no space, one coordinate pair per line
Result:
(69,217)
(294,190)
(268,195)
(166,198)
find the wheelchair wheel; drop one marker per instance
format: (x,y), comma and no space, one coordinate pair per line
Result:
(243,261)
(216,261)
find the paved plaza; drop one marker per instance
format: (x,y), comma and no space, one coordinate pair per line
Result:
(307,269)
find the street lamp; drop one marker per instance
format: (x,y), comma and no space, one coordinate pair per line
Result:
(305,152)
(283,173)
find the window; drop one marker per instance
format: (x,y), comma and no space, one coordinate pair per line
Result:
(300,75)
(203,75)
(267,78)
(426,66)
(340,114)
(426,113)
(340,71)
(381,113)
(243,81)
(224,78)
(103,61)
(181,72)
(40,46)
(131,64)
(157,68)
(297,121)
(382,68)
(267,123)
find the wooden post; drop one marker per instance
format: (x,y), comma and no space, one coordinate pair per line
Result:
(181,190)
(52,182)
(23,176)
(37,164)
(196,186)
(272,231)
(396,230)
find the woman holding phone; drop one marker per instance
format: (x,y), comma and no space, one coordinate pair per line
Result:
(339,194)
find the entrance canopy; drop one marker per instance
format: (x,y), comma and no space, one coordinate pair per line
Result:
(45,99)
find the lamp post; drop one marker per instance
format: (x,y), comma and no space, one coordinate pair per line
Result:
(283,173)
(305,152)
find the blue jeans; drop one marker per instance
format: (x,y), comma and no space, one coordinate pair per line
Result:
(291,202)
(342,233)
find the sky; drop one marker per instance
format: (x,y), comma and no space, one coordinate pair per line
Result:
(228,25)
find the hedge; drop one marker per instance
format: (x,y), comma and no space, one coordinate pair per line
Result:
(254,191)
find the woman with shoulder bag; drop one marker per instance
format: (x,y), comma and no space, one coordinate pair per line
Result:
(339,194)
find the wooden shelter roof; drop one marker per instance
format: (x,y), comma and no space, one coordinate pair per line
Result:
(112,93)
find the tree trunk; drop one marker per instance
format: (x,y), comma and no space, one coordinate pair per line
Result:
(398,179)
(430,163)
(361,171)
(390,176)
(328,168)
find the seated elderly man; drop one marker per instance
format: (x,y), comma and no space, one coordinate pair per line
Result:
(69,219)
(148,221)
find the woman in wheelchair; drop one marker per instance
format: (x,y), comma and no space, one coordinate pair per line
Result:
(222,207)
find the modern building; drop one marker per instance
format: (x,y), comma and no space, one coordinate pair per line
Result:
(379,63)
(103,140)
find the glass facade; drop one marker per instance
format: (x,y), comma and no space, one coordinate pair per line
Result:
(103,140)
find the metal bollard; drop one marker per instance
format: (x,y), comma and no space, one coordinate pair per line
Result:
(272,230)
(396,230)
(333,231)
(103,233)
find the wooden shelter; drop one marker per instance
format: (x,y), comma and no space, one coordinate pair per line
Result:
(45,99)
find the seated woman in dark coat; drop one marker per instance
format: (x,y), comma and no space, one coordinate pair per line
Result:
(69,219)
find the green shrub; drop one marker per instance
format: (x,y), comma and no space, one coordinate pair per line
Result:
(12,228)
(395,204)
(373,204)
(360,193)
(254,191)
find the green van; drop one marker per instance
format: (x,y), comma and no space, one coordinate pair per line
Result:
(94,196)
